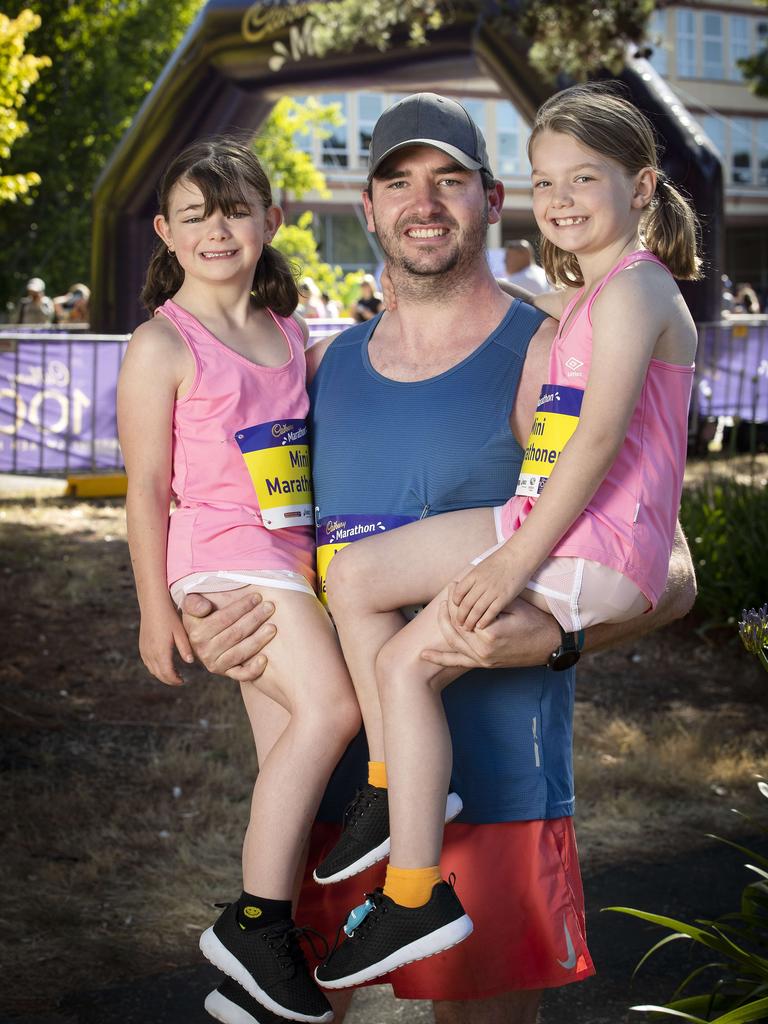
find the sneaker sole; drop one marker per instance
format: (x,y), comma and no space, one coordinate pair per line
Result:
(213,949)
(224,1010)
(429,945)
(453,808)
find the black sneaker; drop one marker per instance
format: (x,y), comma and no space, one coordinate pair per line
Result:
(231,1004)
(382,936)
(365,839)
(269,964)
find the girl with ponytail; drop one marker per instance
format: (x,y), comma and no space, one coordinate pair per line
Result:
(211,410)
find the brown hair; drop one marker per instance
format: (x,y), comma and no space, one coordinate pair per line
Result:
(600,119)
(223,169)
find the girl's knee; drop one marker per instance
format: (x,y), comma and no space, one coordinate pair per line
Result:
(400,667)
(346,578)
(334,720)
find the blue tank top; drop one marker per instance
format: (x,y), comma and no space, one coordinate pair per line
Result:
(382,447)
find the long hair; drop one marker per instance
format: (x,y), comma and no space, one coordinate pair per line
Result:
(597,117)
(223,169)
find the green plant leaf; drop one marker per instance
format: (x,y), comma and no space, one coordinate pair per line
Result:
(662,942)
(693,975)
(671,1013)
(720,944)
(763,861)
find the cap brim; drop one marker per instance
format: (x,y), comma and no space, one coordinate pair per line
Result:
(460,157)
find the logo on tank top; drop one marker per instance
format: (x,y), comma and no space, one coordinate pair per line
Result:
(574,366)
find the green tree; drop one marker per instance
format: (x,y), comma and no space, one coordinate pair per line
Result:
(292,174)
(755,68)
(18,73)
(105,58)
(575,38)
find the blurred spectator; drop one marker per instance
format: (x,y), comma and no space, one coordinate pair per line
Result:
(521,267)
(370,302)
(726,298)
(72,308)
(332,307)
(310,304)
(745,299)
(35,307)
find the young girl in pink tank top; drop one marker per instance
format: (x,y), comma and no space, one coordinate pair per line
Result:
(588,535)
(211,406)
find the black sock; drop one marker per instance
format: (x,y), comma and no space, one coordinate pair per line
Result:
(255,912)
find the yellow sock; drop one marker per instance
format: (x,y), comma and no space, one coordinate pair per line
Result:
(377,774)
(411,887)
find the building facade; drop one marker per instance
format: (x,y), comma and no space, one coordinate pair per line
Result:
(696,49)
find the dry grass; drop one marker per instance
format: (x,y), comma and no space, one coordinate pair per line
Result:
(124,801)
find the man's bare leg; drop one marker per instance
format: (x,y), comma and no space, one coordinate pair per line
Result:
(510,1008)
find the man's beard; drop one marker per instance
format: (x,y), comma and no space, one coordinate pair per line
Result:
(432,268)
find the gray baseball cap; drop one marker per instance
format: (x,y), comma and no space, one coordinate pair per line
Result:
(426,119)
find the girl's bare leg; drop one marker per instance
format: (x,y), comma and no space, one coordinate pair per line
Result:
(307,679)
(370,579)
(417,741)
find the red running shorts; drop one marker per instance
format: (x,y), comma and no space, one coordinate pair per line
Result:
(519,881)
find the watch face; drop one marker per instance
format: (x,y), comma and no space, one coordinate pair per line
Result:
(562,659)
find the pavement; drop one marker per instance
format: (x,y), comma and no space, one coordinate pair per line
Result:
(704,882)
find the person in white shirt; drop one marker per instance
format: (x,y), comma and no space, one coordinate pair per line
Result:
(521,267)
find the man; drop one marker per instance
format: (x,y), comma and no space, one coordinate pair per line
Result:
(521,269)
(35,307)
(425,409)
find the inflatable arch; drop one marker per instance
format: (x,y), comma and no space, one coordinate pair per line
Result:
(236,61)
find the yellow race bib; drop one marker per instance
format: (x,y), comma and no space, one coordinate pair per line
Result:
(277,457)
(335,532)
(557,416)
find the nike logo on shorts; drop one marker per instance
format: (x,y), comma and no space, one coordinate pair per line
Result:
(570,962)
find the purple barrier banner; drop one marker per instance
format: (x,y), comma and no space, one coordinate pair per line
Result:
(732,371)
(57,402)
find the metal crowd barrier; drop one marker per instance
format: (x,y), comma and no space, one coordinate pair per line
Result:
(57,392)
(57,398)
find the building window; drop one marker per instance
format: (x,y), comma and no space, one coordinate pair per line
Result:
(657,39)
(369,109)
(509,135)
(712,45)
(476,110)
(344,241)
(741,151)
(686,44)
(714,126)
(762,153)
(738,47)
(335,151)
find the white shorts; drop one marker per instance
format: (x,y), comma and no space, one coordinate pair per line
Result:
(215,582)
(578,592)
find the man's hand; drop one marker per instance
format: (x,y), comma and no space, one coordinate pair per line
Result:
(229,640)
(520,638)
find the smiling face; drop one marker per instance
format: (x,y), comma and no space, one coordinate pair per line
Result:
(585,202)
(215,245)
(429,213)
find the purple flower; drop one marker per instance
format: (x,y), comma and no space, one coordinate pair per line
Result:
(753,630)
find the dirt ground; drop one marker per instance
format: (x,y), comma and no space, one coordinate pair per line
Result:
(123,800)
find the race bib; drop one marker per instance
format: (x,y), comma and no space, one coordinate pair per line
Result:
(277,457)
(557,416)
(335,532)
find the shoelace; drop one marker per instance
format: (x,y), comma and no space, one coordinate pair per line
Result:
(363,799)
(289,952)
(284,941)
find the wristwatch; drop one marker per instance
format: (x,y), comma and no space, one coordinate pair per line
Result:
(569,651)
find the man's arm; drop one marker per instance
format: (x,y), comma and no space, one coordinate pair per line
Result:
(526,636)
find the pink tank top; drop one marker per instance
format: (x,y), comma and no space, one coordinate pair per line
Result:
(629,525)
(240,428)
